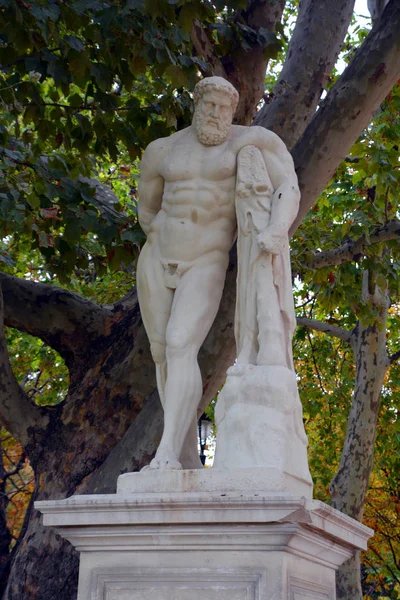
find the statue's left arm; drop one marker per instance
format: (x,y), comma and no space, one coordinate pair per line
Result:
(286,197)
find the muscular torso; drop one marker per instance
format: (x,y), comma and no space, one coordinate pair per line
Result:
(197,213)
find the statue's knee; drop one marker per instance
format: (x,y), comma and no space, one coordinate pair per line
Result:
(177,341)
(158,352)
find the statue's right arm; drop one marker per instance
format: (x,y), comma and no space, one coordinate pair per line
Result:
(151,185)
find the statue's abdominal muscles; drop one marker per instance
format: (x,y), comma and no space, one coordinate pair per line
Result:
(196,217)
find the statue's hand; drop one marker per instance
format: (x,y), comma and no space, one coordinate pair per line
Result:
(272,241)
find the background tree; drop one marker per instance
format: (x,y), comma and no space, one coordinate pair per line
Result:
(349,290)
(85,86)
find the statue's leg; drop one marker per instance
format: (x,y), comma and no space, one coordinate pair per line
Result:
(194,308)
(189,457)
(155,305)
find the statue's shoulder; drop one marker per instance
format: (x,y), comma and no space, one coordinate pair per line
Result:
(162,146)
(257,136)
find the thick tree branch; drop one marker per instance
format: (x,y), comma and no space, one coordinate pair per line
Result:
(19,416)
(332,330)
(394,357)
(203,48)
(63,320)
(354,249)
(132,453)
(320,29)
(245,69)
(376,8)
(348,108)
(350,484)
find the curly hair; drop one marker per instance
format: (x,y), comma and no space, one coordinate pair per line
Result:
(218,84)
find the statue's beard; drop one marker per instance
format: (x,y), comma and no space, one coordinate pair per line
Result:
(208,135)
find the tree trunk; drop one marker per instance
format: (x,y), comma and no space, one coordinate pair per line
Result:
(348,579)
(314,47)
(350,484)
(5,536)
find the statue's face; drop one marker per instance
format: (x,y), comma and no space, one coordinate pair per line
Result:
(213,117)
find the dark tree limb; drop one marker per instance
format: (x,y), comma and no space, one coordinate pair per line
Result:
(394,357)
(348,108)
(354,249)
(320,29)
(332,330)
(17,413)
(245,69)
(203,48)
(376,8)
(132,453)
(235,66)
(63,320)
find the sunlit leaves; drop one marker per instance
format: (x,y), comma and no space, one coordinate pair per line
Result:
(362,196)
(16,486)
(84,83)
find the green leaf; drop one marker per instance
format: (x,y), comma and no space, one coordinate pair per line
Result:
(103,76)
(188,13)
(136,237)
(75,100)
(74,43)
(72,232)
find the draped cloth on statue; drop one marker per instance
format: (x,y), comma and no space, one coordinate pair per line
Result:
(259,413)
(264,318)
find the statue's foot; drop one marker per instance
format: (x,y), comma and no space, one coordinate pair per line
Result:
(164,462)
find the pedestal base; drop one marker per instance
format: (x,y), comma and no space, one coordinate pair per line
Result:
(257,479)
(205,546)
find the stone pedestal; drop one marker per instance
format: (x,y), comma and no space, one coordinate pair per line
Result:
(203,544)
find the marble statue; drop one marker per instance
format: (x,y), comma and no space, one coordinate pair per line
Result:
(199,189)
(248,527)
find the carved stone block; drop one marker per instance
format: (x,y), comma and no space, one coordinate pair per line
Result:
(174,584)
(205,545)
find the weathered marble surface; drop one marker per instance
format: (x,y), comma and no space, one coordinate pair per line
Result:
(197,546)
(216,481)
(259,413)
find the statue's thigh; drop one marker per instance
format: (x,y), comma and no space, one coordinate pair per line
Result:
(195,305)
(155,298)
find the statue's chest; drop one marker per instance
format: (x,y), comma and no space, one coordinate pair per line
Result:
(188,162)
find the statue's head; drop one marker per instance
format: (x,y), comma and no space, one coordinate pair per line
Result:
(215,101)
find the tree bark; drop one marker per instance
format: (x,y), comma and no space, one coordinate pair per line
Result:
(350,484)
(234,66)
(246,69)
(5,536)
(354,249)
(332,330)
(348,579)
(348,108)
(80,435)
(63,320)
(17,413)
(317,38)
